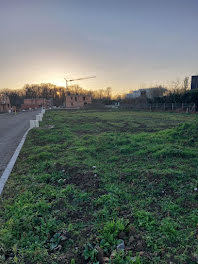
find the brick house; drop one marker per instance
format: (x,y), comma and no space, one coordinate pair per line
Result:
(36,103)
(5,105)
(77,101)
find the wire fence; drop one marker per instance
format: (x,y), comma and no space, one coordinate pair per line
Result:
(175,107)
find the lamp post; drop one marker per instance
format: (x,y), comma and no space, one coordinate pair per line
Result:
(66,83)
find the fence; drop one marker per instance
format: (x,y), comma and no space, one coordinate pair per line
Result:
(176,107)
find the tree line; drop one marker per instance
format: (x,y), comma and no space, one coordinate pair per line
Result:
(54,92)
(177,92)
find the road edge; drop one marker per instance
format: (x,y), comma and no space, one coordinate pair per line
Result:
(8,169)
(4,177)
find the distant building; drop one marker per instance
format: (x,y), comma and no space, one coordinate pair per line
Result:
(36,103)
(77,101)
(194,82)
(5,105)
(147,93)
(138,93)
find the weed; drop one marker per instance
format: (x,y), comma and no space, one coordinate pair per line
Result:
(98,178)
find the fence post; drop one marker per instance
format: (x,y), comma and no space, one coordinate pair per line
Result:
(172,106)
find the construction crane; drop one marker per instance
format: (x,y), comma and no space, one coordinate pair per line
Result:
(79,79)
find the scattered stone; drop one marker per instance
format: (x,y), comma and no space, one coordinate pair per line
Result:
(100,256)
(121,245)
(139,245)
(195,256)
(138,237)
(141,253)
(163,251)
(132,231)
(195,189)
(122,235)
(94,167)
(95,175)
(106,260)
(129,248)
(113,254)
(66,234)
(58,248)
(63,238)
(131,239)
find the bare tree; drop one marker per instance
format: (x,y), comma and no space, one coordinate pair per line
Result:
(186,84)
(108,92)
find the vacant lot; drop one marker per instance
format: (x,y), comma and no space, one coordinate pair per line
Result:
(104,187)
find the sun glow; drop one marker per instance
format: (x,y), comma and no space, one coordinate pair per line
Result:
(56,82)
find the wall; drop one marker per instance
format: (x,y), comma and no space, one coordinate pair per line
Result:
(77,101)
(5,105)
(36,103)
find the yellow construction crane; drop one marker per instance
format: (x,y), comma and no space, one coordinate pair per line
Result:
(79,79)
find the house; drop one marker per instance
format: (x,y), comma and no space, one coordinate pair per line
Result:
(194,82)
(77,101)
(139,93)
(36,103)
(5,105)
(147,93)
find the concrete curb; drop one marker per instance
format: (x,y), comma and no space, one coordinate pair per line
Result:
(8,170)
(11,163)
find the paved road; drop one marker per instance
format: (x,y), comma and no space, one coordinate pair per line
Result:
(12,129)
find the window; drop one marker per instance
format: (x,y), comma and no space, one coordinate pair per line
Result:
(83,98)
(71,98)
(75,98)
(72,104)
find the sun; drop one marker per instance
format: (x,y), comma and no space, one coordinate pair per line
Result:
(57,82)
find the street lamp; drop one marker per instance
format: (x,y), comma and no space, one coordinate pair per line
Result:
(66,83)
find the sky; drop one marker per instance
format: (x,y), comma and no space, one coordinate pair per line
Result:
(127,44)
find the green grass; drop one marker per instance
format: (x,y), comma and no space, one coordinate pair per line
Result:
(96,179)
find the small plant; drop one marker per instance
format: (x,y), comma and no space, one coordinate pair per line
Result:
(122,258)
(145,219)
(169,229)
(55,240)
(149,178)
(90,253)
(109,233)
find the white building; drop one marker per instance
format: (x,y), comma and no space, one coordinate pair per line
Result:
(140,92)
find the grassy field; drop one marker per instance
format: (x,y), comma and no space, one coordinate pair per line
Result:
(104,187)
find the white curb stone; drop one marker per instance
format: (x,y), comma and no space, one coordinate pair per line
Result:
(34,123)
(38,117)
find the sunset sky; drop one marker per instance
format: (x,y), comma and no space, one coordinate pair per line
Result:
(127,44)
